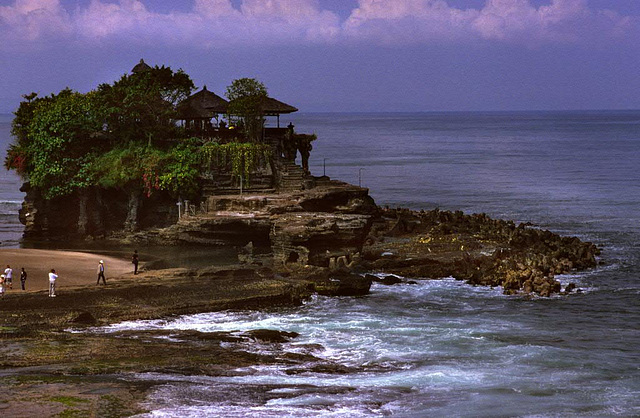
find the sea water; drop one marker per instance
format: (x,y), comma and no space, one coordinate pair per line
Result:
(443,348)
(10,195)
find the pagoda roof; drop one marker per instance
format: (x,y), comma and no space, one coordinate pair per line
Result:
(271,106)
(141,67)
(204,104)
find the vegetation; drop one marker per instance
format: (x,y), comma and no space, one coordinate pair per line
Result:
(123,136)
(243,158)
(246,96)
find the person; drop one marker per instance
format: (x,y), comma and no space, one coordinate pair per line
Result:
(135,261)
(23,278)
(52,283)
(101,273)
(2,285)
(8,274)
(305,148)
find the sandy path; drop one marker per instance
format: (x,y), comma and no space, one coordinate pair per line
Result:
(73,268)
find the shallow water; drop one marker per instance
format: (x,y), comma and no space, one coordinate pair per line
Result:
(442,348)
(438,348)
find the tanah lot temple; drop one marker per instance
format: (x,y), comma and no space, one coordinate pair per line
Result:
(305,219)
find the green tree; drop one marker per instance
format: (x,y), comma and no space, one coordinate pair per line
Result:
(246,96)
(142,106)
(56,144)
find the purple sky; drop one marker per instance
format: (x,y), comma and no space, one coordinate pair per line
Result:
(339,55)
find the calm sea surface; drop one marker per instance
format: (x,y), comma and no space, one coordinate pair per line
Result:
(442,348)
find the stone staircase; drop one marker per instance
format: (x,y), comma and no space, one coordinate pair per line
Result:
(292,177)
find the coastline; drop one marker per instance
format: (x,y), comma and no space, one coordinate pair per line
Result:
(74,268)
(49,370)
(56,339)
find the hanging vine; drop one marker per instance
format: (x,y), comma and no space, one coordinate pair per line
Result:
(243,158)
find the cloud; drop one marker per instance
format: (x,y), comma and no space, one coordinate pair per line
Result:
(409,21)
(509,21)
(213,23)
(210,23)
(33,20)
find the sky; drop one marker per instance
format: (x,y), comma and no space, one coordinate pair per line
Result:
(338,55)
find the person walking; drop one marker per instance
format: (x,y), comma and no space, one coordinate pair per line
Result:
(8,274)
(52,283)
(135,260)
(101,273)
(23,278)
(2,286)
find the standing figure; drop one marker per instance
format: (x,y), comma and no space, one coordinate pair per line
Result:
(52,283)
(101,273)
(135,261)
(8,274)
(2,285)
(23,278)
(305,148)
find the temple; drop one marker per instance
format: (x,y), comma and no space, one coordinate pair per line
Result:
(207,116)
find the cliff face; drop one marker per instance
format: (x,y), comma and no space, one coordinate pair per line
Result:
(303,227)
(94,212)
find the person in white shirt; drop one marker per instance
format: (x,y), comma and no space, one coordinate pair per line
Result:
(8,274)
(52,283)
(101,273)
(2,285)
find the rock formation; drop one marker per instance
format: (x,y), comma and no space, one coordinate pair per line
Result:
(327,230)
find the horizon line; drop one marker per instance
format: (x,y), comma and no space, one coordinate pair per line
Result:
(11,113)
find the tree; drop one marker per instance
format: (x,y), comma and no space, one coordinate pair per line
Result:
(55,145)
(246,96)
(142,106)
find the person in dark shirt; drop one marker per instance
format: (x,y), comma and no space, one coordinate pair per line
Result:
(134,260)
(23,277)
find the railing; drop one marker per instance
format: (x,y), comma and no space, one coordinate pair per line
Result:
(191,209)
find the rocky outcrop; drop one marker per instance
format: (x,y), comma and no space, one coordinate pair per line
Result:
(475,248)
(337,228)
(315,237)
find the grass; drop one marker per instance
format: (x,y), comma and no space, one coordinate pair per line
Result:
(74,413)
(69,400)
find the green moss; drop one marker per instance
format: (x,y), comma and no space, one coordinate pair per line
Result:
(112,406)
(31,379)
(68,400)
(74,413)
(7,329)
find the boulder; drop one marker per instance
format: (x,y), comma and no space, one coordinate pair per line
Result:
(570,288)
(271,336)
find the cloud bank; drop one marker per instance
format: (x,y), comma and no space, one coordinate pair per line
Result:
(217,23)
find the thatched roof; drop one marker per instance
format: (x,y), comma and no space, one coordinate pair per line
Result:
(204,104)
(141,67)
(271,106)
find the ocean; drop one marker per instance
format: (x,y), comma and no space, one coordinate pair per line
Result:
(441,347)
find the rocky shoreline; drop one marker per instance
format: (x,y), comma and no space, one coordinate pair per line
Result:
(331,240)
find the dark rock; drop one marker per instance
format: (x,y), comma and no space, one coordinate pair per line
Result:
(84,318)
(570,288)
(330,368)
(271,336)
(344,285)
(388,280)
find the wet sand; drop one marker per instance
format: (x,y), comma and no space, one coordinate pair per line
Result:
(73,268)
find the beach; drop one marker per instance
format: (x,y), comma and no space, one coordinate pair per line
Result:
(73,268)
